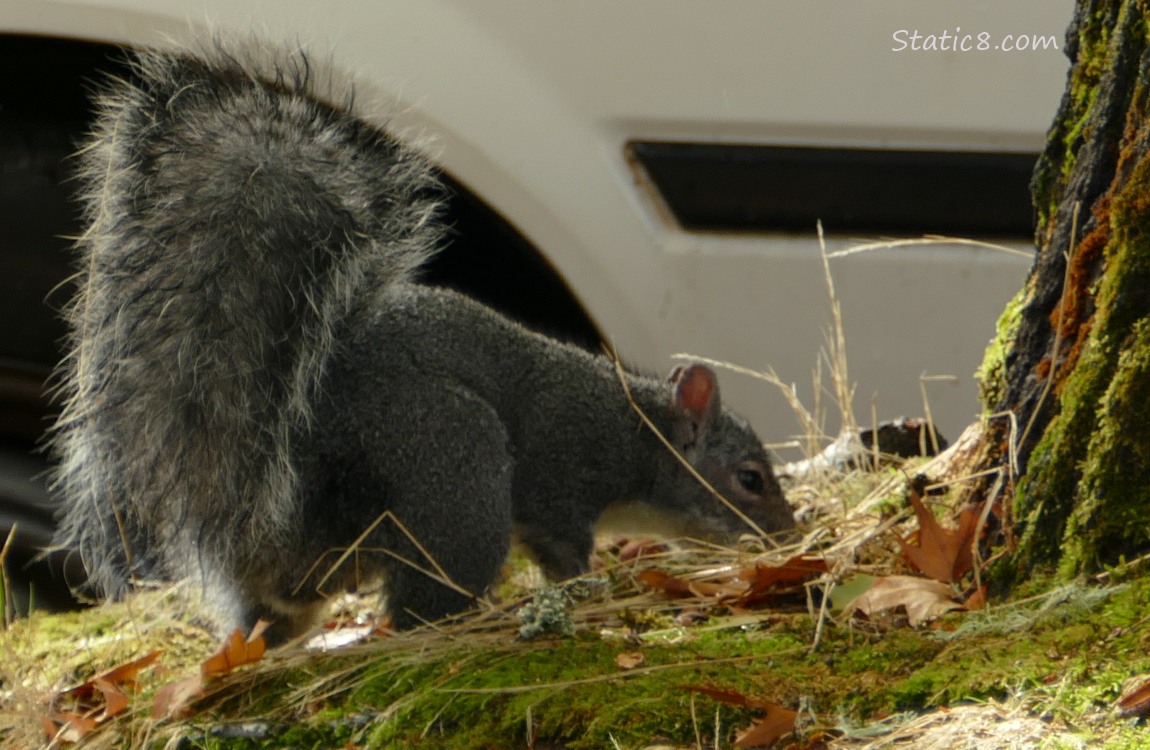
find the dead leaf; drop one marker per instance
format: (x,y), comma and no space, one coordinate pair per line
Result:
(679,588)
(665,582)
(976,600)
(123,675)
(922,598)
(744,589)
(1135,702)
(778,721)
(943,554)
(769,582)
(236,651)
(50,727)
(115,702)
(630,660)
(126,674)
(175,698)
(68,726)
(95,701)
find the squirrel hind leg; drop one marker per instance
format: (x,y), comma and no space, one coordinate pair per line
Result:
(452,494)
(459,560)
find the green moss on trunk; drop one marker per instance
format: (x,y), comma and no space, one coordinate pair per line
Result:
(1108,517)
(1110,514)
(1088,479)
(992,372)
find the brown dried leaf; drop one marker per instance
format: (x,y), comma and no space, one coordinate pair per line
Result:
(49,726)
(123,675)
(630,660)
(126,674)
(1135,702)
(115,702)
(768,582)
(750,587)
(778,721)
(95,701)
(922,598)
(976,600)
(176,698)
(68,726)
(679,588)
(235,652)
(943,554)
(665,582)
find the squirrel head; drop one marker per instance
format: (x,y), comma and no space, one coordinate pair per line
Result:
(723,450)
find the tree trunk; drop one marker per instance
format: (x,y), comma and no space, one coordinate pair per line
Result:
(1067,382)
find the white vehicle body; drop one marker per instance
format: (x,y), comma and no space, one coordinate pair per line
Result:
(531,105)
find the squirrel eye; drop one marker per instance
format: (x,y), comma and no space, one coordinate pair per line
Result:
(751,480)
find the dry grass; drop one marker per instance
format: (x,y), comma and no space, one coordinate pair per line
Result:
(983,726)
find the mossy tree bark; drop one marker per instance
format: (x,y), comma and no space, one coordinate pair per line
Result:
(1071,368)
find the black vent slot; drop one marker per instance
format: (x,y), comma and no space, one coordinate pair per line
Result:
(765,188)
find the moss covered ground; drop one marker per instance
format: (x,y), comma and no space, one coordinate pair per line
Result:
(1060,655)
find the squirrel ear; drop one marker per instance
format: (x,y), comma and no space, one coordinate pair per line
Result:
(695,391)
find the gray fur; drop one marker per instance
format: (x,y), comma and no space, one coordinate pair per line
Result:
(253,379)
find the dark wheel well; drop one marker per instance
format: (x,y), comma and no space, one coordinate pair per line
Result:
(490,260)
(43,112)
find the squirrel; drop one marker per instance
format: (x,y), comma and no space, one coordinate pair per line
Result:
(261,397)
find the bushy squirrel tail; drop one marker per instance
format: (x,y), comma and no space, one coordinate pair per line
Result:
(235,214)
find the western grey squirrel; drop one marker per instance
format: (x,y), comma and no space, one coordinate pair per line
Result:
(261,399)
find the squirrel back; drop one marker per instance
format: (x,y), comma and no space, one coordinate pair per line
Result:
(258,398)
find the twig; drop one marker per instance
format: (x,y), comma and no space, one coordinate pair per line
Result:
(929,239)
